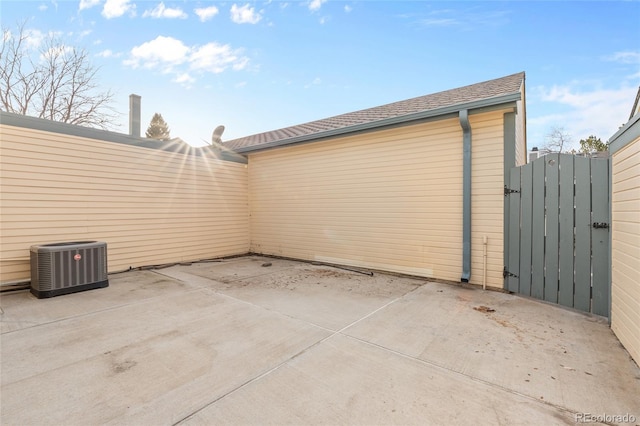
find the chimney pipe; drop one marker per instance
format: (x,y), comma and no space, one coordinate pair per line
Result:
(134,115)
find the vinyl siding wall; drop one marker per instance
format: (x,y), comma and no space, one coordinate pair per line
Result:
(487,196)
(149,206)
(388,200)
(625,247)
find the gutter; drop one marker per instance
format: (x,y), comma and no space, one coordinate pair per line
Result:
(392,121)
(466,195)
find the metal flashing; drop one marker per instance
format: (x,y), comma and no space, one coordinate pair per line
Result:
(625,135)
(41,124)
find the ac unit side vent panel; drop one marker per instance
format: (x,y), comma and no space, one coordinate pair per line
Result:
(68,267)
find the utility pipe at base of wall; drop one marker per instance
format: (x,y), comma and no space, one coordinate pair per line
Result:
(484,262)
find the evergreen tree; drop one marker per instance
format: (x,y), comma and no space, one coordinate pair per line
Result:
(158,128)
(592,144)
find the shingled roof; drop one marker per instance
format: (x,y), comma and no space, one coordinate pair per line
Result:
(487,93)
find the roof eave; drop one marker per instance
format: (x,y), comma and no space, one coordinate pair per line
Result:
(403,119)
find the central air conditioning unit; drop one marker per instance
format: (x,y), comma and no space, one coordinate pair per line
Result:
(62,268)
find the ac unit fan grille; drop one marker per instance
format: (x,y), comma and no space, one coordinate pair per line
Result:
(67,267)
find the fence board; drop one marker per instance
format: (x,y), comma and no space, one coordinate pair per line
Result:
(514,231)
(600,236)
(525,228)
(558,254)
(566,225)
(538,231)
(552,165)
(582,296)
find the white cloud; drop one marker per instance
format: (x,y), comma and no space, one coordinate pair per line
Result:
(184,79)
(316,82)
(161,11)
(216,58)
(316,4)
(581,112)
(117,8)
(206,13)
(34,38)
(108,53)
(439,22)
(348,8)
(244,14)
(84,33)
(169,55)
(57,51)
(162,51)
(464,19)
(629,57)
(88,4)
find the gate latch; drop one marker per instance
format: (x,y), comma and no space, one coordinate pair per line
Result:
(506,273)
(600,225)
(508,191)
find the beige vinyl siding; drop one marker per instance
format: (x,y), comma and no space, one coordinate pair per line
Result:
(389,200)
(625,247)
(521,133)
(487,196)
(149,206)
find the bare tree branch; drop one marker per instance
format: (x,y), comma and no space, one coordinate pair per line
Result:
(52,81)
(557,140)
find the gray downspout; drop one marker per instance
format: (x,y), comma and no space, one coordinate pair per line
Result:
(466,195)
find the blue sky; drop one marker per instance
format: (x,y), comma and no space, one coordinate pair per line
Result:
(258,66)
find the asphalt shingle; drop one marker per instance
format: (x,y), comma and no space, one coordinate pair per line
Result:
(480,91)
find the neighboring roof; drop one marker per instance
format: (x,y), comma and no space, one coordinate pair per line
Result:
(488,93)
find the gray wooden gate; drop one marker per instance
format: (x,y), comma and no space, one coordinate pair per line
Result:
(558,231)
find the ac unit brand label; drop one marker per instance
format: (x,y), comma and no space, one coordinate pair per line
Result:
(78,256)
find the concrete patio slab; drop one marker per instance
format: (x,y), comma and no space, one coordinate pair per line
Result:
(539,350)
(345,381)
(27,311)
(322,295)
(236,342)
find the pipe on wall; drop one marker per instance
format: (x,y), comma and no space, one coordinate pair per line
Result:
(466,195)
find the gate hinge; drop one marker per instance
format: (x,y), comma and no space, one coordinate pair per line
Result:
(506,273)
(508,191)
(600,225)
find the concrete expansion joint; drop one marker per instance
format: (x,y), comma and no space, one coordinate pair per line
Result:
(296,355)
(467,376)
(86,314)
(235,299)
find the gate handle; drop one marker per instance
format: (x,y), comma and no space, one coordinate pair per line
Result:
(600,225)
